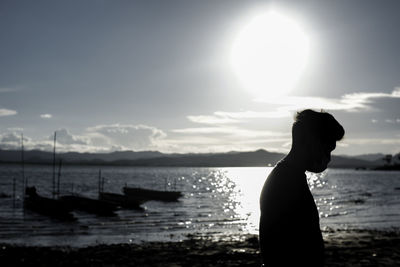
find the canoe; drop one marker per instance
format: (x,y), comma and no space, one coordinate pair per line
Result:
(122,201)
(89,205)
(50,207)
(151,194)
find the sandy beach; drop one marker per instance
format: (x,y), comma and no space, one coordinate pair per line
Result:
(343,248)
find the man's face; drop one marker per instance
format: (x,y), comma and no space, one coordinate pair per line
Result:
(320,155)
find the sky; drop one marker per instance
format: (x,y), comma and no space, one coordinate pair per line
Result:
(161,75)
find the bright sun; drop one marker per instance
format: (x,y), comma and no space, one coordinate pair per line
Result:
(269,54)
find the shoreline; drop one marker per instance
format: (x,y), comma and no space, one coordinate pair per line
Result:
(342,248)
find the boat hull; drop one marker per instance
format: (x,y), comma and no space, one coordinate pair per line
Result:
(89,205)
(150,194)
(122,201)
(49,207)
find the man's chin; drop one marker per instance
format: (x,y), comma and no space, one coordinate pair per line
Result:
(317,168)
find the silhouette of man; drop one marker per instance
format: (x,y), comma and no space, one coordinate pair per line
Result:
(289,223)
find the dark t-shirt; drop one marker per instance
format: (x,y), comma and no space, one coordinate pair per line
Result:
(289,223)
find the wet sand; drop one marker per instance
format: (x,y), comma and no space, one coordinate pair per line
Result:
(343,248)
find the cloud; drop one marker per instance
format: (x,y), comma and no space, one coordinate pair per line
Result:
(12,140)
(226,138)
(230,131)
(362,101)
(222,129)
(100,138)
(203,130)
(279,113)
(224,117)
(64,137)
(126,136)
(285,107)
(354,146)
(7,112)
(113,137)
(372,141)
(354,102)
(392,121)
(212,119)
(15,129)
(46,116)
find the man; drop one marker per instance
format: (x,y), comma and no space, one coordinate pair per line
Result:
(289,223)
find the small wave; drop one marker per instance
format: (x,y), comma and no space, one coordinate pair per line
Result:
(356,201)
(337,214)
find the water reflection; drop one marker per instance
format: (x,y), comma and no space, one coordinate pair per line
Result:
(245,185)
(217,201)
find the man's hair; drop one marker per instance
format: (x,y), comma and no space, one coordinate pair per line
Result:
(311,124)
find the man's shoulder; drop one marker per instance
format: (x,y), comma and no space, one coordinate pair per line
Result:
(285,171)
(282,183)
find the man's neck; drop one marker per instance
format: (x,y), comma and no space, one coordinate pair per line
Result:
(297,160)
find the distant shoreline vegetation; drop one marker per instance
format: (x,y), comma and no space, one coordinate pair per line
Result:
(395,167)
(258,158)
(390,163)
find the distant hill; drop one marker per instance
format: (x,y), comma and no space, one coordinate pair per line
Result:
(370,157)
(393,160)
(154,158)
(37,156)
(231,159)
(113,156)
(350,162)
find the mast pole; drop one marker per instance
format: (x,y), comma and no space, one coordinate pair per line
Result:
(99,181)
(58,178)
(23,167)
(14,186)
(54,166)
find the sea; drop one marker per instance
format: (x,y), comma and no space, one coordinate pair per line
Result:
(217,203)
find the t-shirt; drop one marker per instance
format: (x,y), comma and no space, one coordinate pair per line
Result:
(289,223)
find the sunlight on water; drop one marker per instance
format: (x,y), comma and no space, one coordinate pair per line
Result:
(246,194)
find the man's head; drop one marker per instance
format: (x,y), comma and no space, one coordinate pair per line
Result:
(314,136)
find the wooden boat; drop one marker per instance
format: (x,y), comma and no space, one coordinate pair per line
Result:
(150,194)
(122,201)
(53,208)
(90,205)
(4,195)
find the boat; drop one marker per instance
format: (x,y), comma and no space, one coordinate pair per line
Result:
(123,201)
(119,200)
(89,205)
(50,207)
(150,194)
(4,195)
(82,203)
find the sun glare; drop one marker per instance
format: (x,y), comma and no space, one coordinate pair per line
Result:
(269,54)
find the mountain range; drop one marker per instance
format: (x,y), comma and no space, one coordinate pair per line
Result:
(259,157)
